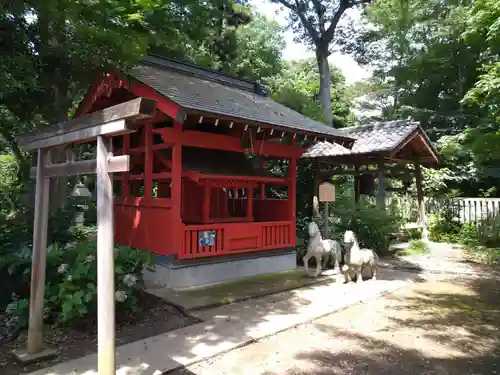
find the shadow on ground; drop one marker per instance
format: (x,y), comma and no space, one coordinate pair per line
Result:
(453,329)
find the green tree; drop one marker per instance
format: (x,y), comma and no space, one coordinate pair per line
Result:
(425,65)
(52,49)
(298,87)
(255,52)
(315,23)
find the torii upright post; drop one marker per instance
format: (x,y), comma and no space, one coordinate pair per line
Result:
(105,261)
(37,287)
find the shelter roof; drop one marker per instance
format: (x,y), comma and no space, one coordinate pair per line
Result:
(207,91)
(324,149)
(401,138)
(380,136)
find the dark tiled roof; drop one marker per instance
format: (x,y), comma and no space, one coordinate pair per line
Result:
(371,138)
(199,89)
(380,136)
(325,149)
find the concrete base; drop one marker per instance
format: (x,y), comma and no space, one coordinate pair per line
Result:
(181,276)
(26,358)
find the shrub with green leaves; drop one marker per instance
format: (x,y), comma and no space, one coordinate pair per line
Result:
(71,289)
(443,226)
(488,230)
(415,247)
(373,226)
(302,237)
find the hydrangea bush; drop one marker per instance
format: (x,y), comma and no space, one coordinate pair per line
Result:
(71,282)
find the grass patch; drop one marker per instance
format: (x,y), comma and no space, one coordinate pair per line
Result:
(415,247)
(233,291)
(483,254)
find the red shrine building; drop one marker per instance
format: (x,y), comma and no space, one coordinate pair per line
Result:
(203,192)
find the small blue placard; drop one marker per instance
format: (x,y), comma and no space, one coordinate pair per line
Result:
(207,238)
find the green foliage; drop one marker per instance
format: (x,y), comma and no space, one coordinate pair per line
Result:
(409,234)
(45,65)
(71,290)
(374,227)
(444,225)
(484,254)
(437,62)
(298,87)
(488,230)
(255,54)
(415,247)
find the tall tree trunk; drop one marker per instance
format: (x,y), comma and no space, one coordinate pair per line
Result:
(325,95)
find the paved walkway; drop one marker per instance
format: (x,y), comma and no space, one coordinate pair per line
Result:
(232,326)
(440,327)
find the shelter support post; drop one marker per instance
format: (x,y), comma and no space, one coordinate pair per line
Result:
(105,261)
(37,292)
(422,218)
(357,183)
(316,178)
(326,221)
(381,191)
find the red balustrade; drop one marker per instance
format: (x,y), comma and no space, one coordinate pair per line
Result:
(231,238)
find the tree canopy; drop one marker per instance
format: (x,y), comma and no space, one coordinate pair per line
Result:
(437,62)
(315,23)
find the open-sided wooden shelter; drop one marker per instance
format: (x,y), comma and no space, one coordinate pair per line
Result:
(198,186)
(381,150)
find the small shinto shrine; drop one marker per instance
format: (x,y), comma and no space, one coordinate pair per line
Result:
(200,192)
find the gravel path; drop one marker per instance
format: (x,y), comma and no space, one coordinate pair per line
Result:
(445,326)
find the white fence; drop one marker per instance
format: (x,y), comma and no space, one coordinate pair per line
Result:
(466,209)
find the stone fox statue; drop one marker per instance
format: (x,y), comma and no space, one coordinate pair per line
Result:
(356,259)
(324,251)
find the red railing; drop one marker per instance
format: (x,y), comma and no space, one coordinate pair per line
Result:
(276,235)
(192,247)
(233,238)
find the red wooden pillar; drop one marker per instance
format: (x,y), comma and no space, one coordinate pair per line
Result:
(176,228)
(125,175)
(292,196)
(148,161)
(205,214)
(250,204)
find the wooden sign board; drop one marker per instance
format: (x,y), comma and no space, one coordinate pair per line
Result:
(327,192)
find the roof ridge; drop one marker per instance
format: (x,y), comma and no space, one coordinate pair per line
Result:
(378,123)
(206,73)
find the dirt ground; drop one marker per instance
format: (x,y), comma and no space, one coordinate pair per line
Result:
(440,327)
(155,316)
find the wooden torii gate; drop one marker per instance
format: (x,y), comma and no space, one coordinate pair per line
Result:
(100,125)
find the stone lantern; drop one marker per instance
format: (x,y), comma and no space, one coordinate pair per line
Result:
(81,194)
